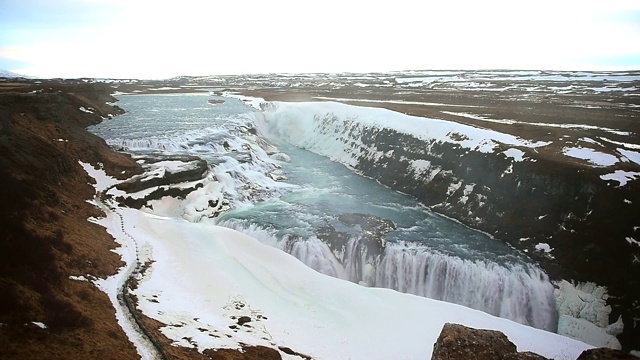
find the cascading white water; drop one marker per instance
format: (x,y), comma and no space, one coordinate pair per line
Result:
(521,293)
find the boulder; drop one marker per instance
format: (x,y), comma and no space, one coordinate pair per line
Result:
(192,169)
(461,342)
(605,354)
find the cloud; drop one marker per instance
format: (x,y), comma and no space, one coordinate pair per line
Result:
(158,39)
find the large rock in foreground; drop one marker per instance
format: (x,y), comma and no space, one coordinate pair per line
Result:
(461,342)
(605,354)
(458,342)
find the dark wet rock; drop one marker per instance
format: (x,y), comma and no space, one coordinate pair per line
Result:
(367,235)
(458,342)
(330,236)
(364,235)
(367,222)
(526,355)
(159,193)
(194,169)
(605,354)
(243,320)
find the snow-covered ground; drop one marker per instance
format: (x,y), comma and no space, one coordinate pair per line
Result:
(314,125)
(216,288)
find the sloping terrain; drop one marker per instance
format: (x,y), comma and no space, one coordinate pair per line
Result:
(45,235)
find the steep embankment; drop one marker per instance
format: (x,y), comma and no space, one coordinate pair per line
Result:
(45,236)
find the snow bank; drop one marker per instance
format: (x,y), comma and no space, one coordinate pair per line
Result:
(336,130)
(205,278)
(633,156)
(515,154)
(545,248)
(596,158)
(39,324)
(254,102)
(584,314)
(621,176)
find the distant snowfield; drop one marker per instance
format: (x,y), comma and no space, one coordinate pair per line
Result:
(621,176)
(216,288)
(400,102)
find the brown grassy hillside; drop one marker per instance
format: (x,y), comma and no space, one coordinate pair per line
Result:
(44,234)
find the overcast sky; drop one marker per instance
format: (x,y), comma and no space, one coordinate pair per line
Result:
(158,39)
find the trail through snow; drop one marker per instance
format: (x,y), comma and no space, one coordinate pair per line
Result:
(113,286)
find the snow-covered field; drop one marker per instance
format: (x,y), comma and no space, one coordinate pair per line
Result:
(216,288)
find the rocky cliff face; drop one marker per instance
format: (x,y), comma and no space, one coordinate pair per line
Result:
(584,219)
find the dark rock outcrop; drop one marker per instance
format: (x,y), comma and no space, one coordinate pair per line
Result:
(458,342)
(369,229)
(461,342)
(605,354)
(194,169)
(365,236)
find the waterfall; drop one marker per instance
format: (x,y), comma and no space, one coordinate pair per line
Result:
(522,293)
